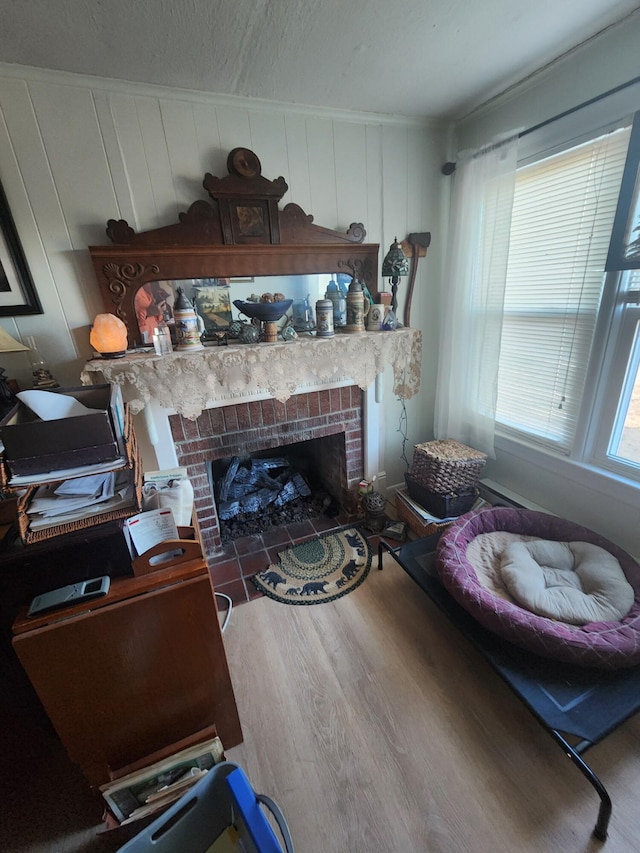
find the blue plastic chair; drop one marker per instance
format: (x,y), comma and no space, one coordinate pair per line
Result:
(222,798)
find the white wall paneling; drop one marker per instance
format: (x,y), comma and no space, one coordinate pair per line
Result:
(351,174)
(205,119)
(373,160)
(32,194)
(235,132)
(158,163)
(182,150)
(116,113)
(322,170)
(269,131)
(76,151)
(298,162)
(74,148)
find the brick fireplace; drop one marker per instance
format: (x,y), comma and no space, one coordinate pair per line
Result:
(198,407)
(245,428)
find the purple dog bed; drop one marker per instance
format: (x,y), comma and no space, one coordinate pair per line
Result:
(605,645)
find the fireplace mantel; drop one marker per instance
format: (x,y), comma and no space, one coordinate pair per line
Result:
(190,382)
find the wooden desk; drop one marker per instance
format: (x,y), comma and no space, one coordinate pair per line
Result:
(129,674)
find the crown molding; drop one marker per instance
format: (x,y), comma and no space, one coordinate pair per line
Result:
(30,73)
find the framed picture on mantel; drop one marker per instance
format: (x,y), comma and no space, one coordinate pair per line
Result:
(18,294)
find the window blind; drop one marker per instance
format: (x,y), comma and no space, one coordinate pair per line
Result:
(563,212)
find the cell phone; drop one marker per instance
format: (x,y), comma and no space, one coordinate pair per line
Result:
(65,596)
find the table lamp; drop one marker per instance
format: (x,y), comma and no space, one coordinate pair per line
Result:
(395,266)
(7,396)
(108,336)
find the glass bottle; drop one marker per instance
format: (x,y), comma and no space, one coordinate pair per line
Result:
(162,340)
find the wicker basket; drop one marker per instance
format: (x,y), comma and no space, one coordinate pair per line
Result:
(445,466)
(26,495)
(442,505)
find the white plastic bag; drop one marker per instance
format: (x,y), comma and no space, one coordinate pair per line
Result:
(169,489)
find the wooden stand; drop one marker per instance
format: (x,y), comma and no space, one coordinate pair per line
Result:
(270,332)
(182,550)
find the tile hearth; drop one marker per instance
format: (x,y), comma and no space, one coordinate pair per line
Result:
(231,570)
(233,567)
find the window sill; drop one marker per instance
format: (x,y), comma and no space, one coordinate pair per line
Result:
(607,483)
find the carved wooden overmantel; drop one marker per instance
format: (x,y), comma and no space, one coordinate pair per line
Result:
(240,232)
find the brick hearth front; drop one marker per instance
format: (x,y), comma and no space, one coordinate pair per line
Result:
(246,428)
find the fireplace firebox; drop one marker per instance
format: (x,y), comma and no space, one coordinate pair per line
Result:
(278,487)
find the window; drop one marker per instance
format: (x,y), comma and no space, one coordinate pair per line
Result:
(617,436)
(560,308)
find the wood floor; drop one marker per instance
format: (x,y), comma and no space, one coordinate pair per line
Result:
(376,728)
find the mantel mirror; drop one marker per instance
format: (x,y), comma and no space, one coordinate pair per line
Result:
(237,244)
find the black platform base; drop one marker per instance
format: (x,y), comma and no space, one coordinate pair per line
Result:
(584,705)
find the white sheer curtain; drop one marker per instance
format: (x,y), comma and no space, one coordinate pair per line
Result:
(473,294)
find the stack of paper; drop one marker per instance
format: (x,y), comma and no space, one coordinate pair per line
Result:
(78,498)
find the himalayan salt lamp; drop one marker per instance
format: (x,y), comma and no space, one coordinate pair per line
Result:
(109,336)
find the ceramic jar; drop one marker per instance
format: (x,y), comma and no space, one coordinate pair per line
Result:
(357,307)
(324,318)
(375,319)
(189,325)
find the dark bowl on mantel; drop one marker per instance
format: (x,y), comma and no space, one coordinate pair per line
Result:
(267,312)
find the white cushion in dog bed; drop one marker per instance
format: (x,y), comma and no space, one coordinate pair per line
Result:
(573,582)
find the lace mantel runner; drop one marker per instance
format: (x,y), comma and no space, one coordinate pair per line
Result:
(189,382)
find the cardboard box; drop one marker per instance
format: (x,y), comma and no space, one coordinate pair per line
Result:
(35,446)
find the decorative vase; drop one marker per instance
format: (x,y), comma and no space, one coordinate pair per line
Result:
(249,334)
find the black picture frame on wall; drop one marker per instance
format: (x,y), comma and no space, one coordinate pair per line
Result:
(624,248)
(18,295)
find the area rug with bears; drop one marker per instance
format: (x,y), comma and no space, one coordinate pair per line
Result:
(318,570)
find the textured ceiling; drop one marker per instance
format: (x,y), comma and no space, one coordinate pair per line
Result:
(432,58)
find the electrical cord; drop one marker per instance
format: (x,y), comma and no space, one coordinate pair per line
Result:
(402,429)
(227,615)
